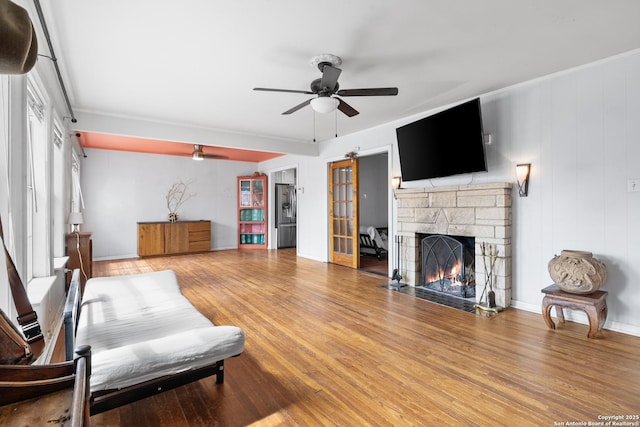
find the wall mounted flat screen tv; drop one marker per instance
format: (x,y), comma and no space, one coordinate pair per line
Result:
(450,142)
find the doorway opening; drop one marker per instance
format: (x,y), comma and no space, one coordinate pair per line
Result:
(373,202)
(285,208)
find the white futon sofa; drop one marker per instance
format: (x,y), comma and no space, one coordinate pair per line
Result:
(145,337)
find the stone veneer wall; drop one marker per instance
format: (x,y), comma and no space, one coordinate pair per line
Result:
(482,211)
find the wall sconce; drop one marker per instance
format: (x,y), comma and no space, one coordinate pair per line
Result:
(75,219)
(522,174)
(396,181)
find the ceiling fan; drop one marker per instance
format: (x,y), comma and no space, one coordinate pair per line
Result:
(199,154)
(327,89)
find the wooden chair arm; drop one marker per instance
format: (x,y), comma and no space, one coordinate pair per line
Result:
(16,391)
(12,373)
(61,390)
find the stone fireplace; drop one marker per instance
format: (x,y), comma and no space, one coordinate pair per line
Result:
(478,211)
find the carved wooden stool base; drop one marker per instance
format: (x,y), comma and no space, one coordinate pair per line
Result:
(594,304)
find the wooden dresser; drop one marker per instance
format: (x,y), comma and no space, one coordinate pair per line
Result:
(165,238)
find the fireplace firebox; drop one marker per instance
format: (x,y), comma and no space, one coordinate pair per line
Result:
(448,265)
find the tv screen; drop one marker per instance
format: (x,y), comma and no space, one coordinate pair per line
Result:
(447,143)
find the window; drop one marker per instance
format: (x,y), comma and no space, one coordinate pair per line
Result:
(37,211)
(5,295)
(77,203)
(58,189)
(34,191)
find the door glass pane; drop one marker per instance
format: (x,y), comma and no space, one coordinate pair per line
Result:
(245,193)
(349,247)
(258,193)
(349,225)
(343,211)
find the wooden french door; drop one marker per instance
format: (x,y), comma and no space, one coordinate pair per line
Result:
(343,213)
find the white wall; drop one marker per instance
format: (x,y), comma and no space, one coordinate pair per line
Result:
(580,131)
(121,189)
(312,193)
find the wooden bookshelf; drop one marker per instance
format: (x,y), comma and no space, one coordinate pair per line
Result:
(252,212)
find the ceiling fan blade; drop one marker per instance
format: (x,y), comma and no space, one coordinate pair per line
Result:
(198,150)
(299,106)
(330,76)
(379,91)
(347,109)
(266,89)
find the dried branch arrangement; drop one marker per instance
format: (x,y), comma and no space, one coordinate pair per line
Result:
(489,254)
(176,196)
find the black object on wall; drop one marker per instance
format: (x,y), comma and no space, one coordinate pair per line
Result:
(450,142)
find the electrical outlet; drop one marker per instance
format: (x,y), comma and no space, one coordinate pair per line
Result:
(633,185)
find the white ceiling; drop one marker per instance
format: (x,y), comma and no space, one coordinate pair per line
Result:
(195,62)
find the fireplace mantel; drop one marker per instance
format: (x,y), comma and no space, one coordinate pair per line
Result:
(482,211)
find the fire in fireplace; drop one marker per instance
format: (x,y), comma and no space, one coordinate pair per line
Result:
(448,265)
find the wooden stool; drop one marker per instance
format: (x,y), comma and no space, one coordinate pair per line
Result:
(594,304)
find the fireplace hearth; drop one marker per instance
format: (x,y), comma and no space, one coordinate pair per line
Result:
(448,265)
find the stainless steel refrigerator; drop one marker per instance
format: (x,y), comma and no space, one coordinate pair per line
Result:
(286,209)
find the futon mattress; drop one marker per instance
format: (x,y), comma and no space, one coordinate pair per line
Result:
(140,327)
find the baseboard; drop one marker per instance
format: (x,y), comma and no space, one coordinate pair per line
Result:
(311,257)
(114,257)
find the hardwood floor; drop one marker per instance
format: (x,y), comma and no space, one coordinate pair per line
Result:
(328,345)
(372,264)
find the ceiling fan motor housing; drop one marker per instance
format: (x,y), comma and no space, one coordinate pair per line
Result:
(316,87)
(321,65)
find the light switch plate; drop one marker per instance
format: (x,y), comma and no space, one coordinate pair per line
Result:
(633,185)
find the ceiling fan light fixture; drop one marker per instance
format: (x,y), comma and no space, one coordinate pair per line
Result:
(324,104)
(197,154)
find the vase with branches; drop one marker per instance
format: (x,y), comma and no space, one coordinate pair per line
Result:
(176,196)
(489,255)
